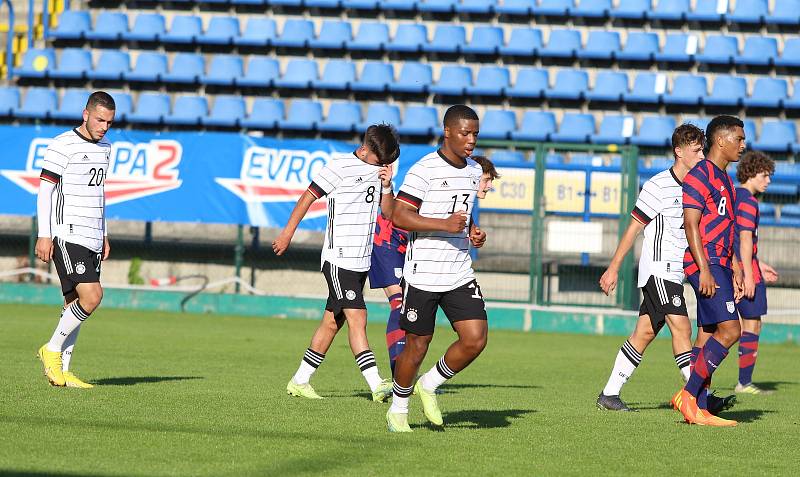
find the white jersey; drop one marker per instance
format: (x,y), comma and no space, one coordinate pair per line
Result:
(78,166)
(353,190)
(439,261)
(660,208)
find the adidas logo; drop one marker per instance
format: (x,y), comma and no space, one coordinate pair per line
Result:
(722,188)
(85,157)
(445,184)
(359,180)
(677,202)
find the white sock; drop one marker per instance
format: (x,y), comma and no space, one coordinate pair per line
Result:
(369,368)
(400,397)
(71,319)
(624,366)
(437,375)
(309,364)
(69,344)
(682,360)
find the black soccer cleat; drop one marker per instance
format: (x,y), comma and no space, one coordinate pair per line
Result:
(718,404)
(612,403)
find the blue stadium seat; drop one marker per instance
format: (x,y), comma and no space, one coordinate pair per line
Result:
(787,170)
(73,64)
(794,101)
(701,123)
(600,45)
(361,4)
(296,33)
(791,54)
(477,6)
(187,68)
(561,44)
(569,84)
(36,63)
(553,8)
(631,9)
(749,131)
(678,48)
(614,129)
(535,126)
(707,11)
(608,86)
(226,112)
(375,77)
(150,68)
(342,117)
(575,127)
(687,90)
(419,121)
(338,75)
(370,37)
(39,103)
(109,26)
(409,37)
(72,25)
(259,32)
(758,51)
(436,6)
(498,124)
(515,7)
(299,74)
(486,40)
(776,136)
(530,83)
(188,110)
(147,27)
(288,3)
(785,12)
(591,9)
(719,49)
(749,11)
(72,105)
(124,104)
(224,70)
(504,155)
(523,41)
(491,81)
(655,131)
(265,115)
(111,66)
(727,91)
(303,115)
(790,211)
(414,78)
(397,5)
(185,29)
(669,10)
(333,35)
(446,39)
(221,31)
(453,81)
(647,88)
(321,3)
(261,73)
(150,109)
(767,93)
(640,46)
(9,100)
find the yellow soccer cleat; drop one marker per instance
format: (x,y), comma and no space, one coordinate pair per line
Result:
(749,389)
(301,390)
(73,381)
(429,405)
(383,392)
(397,422)
(51,360)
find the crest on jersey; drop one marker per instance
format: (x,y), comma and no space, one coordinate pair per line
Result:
(731,307)
(350,295)
(80,268)
(676,300)
(135,170)
(411,315)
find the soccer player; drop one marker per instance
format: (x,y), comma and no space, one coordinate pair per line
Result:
(434,204)
(754,173)
(709,215)
(73,231)
(354,183)
(659,212)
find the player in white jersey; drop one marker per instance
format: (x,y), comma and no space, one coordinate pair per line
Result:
(434,204)
(355,184)
(659,212)
(72,228)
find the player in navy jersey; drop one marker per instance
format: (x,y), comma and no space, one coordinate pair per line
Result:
(753,173)
(708,206)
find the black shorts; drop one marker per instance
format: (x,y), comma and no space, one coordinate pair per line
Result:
(661,298)
(75,264)
(345,288)
(418,314)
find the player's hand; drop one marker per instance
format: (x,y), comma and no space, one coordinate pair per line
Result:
(769,273)
(608,281)
(708,286)
(738,286)
(281,243)
(385,175)
(456,222)
(477,237)
(106,248)
(44,249)
(749,286)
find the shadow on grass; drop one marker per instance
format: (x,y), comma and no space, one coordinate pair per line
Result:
(750,415)
(446,389)
(772,385)
(34,473)
(133,380)
(483,418)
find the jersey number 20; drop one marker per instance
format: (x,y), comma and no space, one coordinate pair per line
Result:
(98,175)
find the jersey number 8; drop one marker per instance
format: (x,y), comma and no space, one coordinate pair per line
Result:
(723,203)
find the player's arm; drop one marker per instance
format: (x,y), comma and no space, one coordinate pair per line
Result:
(44,204)
(387,194)
(770,274)
(608,281)
(691,222)
(746,254)
(406,216)
(281,243)
(106,245)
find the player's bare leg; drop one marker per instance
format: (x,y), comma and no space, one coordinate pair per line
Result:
(628,358)
(365,358)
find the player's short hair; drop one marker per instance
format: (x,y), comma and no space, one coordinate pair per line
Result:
(382,139)
(753,163)
(457,113)
(719,124)
(687,134)
(101,98)
(487,166)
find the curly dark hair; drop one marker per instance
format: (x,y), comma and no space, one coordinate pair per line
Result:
(753,163)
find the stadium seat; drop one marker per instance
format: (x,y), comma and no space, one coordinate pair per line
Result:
(72,25)
(361,4)
(299,74)
(296,33)
(719,50)
(187,68)
(321,3)
(36,63)
(375,78)
(569,85)
(397,5)
(109,26)
(776,136)
(515,7)
(631,9)
(333,35)
(655,131)
(259,32)
(767,93)
(223,70)
(575,128)
(561,44)
(790,211)
(226,112)
(338,75)
(111,66)
(491,81)
(749,131)
(785,12)
(591,9)
(38,104)
(678,48)
(504,155)
(523,41)
(436,6)
(708,11)
(409,37)
(609,86)
(342,118)
(149,68)
(303,115)
(787,171)
(614,129)
(669,10)
(647,88)
(72,105)
(727,91)
(124,104)
(600,45)
(9,100)
(479,7)
(793,103)
(146,27)
(187,111)
(150,109)
(535,126)
(640,46)
(261,73)
(414,78)
(370,37)
(221,31)
(453,81)
(530,83)
(749,11)
(687,90)
(553,8)
(701,123)
(486,40)
(446,39)
(791,54)
(419,121)
(758,51)
(185,29)
(266,114)
(498,124)
(73,64)
(287,3)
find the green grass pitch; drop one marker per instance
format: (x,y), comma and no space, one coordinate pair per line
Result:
(205,396)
